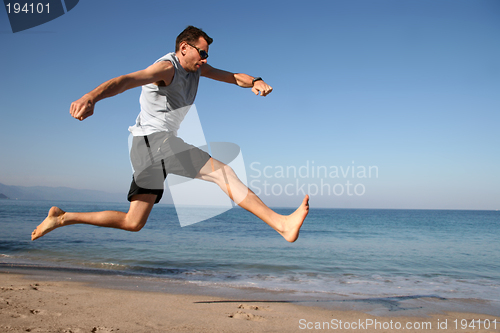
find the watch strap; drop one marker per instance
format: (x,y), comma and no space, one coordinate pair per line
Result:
(256,79)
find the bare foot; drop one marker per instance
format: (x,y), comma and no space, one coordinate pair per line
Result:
(293,222)
(52,221)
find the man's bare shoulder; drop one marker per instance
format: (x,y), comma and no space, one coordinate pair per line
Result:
(162,67)
(164,64)
(163,70)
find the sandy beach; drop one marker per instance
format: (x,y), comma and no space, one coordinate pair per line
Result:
(30,304)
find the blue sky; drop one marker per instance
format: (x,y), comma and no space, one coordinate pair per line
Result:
(409,87)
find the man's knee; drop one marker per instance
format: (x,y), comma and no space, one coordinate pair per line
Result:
(224,173)
(228,170)
(140,208)
(136,219)
(134,224)
(217,172)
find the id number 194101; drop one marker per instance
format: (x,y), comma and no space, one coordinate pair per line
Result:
(476,324)
(31,8)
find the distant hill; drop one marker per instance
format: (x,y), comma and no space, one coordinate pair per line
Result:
(58,193)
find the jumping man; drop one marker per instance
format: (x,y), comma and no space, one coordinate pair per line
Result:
(169,88)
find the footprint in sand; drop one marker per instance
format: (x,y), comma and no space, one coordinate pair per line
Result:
(44,313)
(11,288)
(73,330)
(246,316)
(38,312)
(103,330)
(253,307)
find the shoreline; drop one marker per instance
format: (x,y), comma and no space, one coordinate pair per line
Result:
(40,300)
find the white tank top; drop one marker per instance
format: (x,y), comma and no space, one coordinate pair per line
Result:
(164,107)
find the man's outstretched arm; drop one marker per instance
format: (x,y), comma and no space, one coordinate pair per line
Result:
(240,79)
(161,73)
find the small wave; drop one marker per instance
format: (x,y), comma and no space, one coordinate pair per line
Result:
(352,285)
(107,265)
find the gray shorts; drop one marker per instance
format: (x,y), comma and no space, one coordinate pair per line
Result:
(155,156)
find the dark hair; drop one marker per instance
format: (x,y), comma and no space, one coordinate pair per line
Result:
(191,35)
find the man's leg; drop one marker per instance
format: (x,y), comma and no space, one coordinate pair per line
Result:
(133,220)
(224,176)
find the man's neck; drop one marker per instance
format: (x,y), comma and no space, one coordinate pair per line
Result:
(181,60)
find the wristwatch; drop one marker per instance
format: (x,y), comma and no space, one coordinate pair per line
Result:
(256,79)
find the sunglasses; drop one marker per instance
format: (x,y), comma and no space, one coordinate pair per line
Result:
(203,53)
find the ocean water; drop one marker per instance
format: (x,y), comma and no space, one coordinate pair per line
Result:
(343,253)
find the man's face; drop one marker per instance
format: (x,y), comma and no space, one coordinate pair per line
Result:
(192,59)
